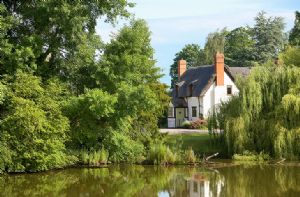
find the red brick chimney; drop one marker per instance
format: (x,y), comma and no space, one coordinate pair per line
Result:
(219,68)
(181,68)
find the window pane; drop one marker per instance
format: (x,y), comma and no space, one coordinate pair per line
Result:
(194,111)
(170,112)
(195,187)
(229,90)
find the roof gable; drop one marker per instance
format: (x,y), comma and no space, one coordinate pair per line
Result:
(197,77)
(201,78)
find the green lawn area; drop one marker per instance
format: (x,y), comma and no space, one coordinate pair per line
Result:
(200,143)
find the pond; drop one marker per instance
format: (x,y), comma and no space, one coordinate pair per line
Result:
(136,180)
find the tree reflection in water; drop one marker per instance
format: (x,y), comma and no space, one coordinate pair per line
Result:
(135,180)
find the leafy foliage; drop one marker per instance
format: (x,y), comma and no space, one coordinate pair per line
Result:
(265,115)
(243,46)
(47,33)
(63,90)
(33,129)
(269,37)
(194,56)
(215,42)
(94,158)
(294,38)
(291,56)
(122,110)
(239,47)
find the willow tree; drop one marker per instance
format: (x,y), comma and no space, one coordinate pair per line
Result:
(265,116)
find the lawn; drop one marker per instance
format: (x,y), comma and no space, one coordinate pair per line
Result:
(200,143)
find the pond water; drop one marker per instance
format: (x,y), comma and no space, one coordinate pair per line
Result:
(134,180)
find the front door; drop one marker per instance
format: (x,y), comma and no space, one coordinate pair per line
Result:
(179,117)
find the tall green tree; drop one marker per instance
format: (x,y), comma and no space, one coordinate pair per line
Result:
(49,32)
(128,89)
(215,42)
(294,38)
(291,56)
(128,63)
(33,129)
(129,57)
(268,33)
(194,56)
(239,47)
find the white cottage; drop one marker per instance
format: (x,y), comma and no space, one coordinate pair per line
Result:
(200,89)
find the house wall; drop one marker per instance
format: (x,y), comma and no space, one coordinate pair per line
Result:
(216,94)
(198,188)
(208,100)
(221,91)
(213,96)
(171,122)
(192,102)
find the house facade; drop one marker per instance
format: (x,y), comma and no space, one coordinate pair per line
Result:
(200,89)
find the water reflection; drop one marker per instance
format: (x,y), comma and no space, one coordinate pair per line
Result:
(241,180)
(199,185)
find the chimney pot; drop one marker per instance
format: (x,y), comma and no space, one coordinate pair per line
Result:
(219,68)
(181,68)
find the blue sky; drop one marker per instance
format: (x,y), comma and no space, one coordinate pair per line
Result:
(175,23)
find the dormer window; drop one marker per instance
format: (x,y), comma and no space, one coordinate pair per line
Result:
(191,89)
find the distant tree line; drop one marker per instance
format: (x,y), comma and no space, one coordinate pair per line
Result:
(243,46)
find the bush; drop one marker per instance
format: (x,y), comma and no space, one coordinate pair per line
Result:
(162,154)
(94,158)
(171,158)
(186,124)
(157,153)
(124,149)
(189,156)
(33,127)
(198,124)
(5,157)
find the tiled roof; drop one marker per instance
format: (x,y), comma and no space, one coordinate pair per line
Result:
(200,78)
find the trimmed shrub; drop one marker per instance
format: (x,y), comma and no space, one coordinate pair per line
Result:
(186,124)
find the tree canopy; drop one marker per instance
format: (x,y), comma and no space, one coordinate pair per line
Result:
(264,117)
(239,47)
(242,46)
(215,42)
(63,91)
(194,56)
(47,33)
(269,37)
(294,38)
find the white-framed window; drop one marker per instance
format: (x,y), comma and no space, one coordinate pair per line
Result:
(185,112)
(229,90)
(171,112)
(194,111)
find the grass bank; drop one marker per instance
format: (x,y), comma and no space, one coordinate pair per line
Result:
(201,143)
